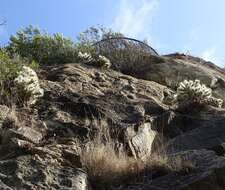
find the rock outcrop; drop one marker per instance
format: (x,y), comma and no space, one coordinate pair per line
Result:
(41,145)
(205,172)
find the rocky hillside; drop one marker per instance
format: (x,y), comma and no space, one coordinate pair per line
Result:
(49,145)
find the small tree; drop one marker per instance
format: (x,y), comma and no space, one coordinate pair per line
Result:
(42,47)
(86,39)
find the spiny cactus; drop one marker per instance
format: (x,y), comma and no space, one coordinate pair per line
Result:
(104,62)
(27,83)
(85,57)
(190,91)
(215,102)
(97,60)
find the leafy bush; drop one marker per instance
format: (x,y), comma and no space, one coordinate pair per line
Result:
(4,57)
(124,54)
(40,46)
(34,44)
(190,92)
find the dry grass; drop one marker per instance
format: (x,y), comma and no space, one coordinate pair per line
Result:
(11,120)
(107,165)
(107,168)
(8,120)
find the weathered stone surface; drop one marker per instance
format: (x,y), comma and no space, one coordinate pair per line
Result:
(210,134)
(207,173)
(174,69)
(4,110)
(35,172)
(141,143)
(25,133)
(42,151)
(77,94)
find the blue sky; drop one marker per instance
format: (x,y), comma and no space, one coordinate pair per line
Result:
(195,27)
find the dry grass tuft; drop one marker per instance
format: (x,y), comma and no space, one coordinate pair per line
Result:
(11,120)
(108,166)
(105,167)
(105,161)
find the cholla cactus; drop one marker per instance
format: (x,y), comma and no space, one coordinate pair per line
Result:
(104,62)
(194,92)
(215,102)
(98,60)
(85,57)
(27,80)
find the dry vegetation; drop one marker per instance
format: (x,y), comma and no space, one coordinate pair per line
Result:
(108,166)
(11,119)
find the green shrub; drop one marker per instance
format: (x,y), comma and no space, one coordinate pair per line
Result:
(42,47)
(4,56)
(34,44)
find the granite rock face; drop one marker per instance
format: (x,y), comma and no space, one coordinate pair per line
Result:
(205,172)
(39,146)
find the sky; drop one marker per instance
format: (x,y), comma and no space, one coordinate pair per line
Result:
(195,27)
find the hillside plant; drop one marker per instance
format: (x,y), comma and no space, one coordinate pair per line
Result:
(11,68)
(95,60)
(38,45)
(109,165)
(27,84)
(127,55)
(8,71)
(189,92)
(35,44)
(93,34)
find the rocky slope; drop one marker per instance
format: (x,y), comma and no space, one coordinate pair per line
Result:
(40,145)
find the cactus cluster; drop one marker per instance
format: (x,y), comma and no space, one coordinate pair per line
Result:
(97,60)
(190,91)
(103,61)
(85,57)
(27,83)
